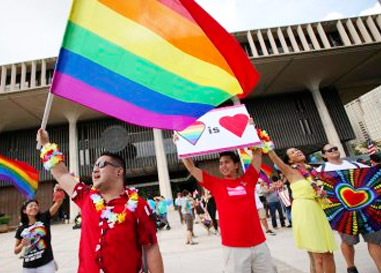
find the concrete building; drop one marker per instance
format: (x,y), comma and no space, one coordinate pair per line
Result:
(308,72)
(365,116)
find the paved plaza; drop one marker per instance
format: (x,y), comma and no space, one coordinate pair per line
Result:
(178,257)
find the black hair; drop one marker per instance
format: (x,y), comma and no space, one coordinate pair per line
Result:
(23,217)
(375,158)
(322,150)
(185,193)
(118,159)
(274,178)
(234,157)
(286,158)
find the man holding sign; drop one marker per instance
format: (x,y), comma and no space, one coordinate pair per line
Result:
(244,244)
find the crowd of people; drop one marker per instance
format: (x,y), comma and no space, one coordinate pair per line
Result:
(118,227)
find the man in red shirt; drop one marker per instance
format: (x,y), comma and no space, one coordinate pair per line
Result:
(116,222)
(244,244)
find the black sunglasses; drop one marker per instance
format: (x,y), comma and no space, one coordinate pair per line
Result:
(333,149)
(102,164)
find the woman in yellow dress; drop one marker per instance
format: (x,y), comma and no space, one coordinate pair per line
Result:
(310,226)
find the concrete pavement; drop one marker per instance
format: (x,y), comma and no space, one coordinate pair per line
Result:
(178,257)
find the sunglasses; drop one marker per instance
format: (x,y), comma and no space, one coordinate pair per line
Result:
(102,164)
(333,149)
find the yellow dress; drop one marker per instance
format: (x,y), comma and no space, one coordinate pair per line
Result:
(310,226)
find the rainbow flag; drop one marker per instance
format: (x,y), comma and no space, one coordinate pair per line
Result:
(264,173)
(23,176)
(154,63)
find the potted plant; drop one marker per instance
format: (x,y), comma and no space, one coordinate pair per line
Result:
(4,221)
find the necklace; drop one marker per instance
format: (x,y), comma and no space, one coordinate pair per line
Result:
(106,212)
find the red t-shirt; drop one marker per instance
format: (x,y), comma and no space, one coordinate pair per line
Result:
(237,211)
(120,246)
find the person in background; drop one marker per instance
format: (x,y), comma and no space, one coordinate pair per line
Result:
(375,160)
(34,236)
(162,211)
(261,210)
(284,197)
(273,202)
(178,206)
(211,208)
(186,210)
(333,162)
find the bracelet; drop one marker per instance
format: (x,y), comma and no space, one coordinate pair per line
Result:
(267,143)
(51,156)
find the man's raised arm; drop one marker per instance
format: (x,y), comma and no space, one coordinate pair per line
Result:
(60,172)
(196,172)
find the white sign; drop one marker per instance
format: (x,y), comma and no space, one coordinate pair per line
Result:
(222,129)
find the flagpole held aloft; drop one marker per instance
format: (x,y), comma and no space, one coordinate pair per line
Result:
(48,107)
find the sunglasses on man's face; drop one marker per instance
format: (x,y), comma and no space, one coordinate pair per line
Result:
(102,164)
(333,149)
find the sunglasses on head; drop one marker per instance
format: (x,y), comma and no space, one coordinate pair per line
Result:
(333,149)
(102,164)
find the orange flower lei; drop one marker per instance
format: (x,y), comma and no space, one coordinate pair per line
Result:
(106,212)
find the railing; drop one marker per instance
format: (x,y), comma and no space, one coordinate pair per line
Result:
(256,43)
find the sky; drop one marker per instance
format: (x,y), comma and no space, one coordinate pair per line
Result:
(33,29)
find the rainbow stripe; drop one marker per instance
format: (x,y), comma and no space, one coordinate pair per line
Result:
(265,172)
(21,175)
(154,63)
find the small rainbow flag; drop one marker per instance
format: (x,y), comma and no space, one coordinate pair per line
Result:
(154,63)
(265,172)
(23,176)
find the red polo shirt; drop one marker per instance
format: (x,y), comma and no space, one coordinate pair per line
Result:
(237,212)
(120,246)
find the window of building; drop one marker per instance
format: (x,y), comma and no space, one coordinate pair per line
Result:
(335,39)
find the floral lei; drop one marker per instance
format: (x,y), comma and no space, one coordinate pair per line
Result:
(311,175)
(107,213)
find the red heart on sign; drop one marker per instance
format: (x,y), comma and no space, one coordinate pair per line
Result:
(235,124)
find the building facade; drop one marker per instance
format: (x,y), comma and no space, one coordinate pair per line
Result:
(365,116)
(307,72)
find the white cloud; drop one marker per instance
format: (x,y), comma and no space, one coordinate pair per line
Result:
(333,16)
(224,11)
(373,10)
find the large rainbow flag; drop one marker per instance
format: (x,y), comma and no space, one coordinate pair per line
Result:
(23,176)
(154,63)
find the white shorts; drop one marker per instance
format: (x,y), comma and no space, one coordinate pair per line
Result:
(248,259)
(46,268)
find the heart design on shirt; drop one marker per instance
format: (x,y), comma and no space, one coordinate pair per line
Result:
(235,124)
(354,199)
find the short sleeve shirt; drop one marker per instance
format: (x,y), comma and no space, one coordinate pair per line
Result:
(237,211)
(38,252)
(116,249)
(345,165)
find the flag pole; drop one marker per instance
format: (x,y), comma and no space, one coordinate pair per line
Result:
(48,107)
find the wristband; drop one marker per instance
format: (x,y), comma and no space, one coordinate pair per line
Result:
(267,143)
(51,156)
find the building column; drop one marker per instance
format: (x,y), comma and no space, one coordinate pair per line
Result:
(162,165)
(33,74)
(43,73)
(323,36)
(3,80)
(23,76)
(329,127)
(73,160)
(13,77)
